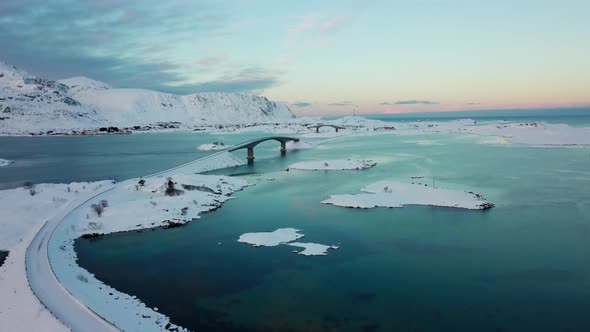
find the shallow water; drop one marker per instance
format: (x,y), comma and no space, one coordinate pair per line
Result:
(519,267)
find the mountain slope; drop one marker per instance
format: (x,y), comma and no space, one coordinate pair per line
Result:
(34,105)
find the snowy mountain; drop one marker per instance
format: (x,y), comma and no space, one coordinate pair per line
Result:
(35,105)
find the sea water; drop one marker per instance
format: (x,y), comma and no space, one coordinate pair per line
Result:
(522,266)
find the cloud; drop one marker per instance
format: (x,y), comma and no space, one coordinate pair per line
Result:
(302,104)
(333,24)
(314,29)
(414,102)
(387,103)
(249,79)
(473,103)
(342,103)
(120,42)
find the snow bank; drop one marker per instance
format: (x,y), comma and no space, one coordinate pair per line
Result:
(331,165)
(312,249)
(271,239)
(5,162)
(396,194)
(23,215)
(215,146)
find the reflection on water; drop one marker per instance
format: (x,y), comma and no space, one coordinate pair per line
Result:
(519,267)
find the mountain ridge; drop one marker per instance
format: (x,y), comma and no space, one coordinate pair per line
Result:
(33,105)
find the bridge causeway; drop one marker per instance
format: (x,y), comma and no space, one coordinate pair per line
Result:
(320,125)
(249,145)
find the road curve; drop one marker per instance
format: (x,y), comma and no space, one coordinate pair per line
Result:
(45,285)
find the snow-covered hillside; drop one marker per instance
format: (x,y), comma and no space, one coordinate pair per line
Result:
(31,105)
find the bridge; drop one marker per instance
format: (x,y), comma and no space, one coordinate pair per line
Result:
(318,126)
(249,145)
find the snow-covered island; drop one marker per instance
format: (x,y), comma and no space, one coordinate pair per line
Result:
(215,146)
(285,236)
(5,162)
(333,165)
(393,194)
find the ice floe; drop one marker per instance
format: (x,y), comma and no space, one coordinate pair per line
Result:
(331,165)
(312,249)
(397,194)
(271,239)
(285,236)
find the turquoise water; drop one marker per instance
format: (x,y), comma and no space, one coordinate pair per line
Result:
(522,266)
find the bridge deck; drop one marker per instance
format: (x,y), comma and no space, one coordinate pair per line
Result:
(326,125)
(254,142)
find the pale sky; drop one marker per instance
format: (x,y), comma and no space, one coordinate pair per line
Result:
(320,57)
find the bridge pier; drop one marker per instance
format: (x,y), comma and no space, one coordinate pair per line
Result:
(250,156)
(317,130)
(336,129)
(283,148)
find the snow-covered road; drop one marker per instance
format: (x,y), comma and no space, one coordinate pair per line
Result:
(49,290)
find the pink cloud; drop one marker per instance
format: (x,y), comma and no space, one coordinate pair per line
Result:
(213,60)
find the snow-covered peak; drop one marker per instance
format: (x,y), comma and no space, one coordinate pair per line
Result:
(84,83)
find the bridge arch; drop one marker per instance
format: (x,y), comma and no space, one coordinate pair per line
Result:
(320,125)
(249,146)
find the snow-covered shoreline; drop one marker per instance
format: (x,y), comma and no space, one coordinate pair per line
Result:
(393,194)
(333,165)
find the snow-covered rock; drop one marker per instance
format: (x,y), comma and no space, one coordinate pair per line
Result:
(5,162)
(330,165)
(35,105)
(393,194)
(215,146)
